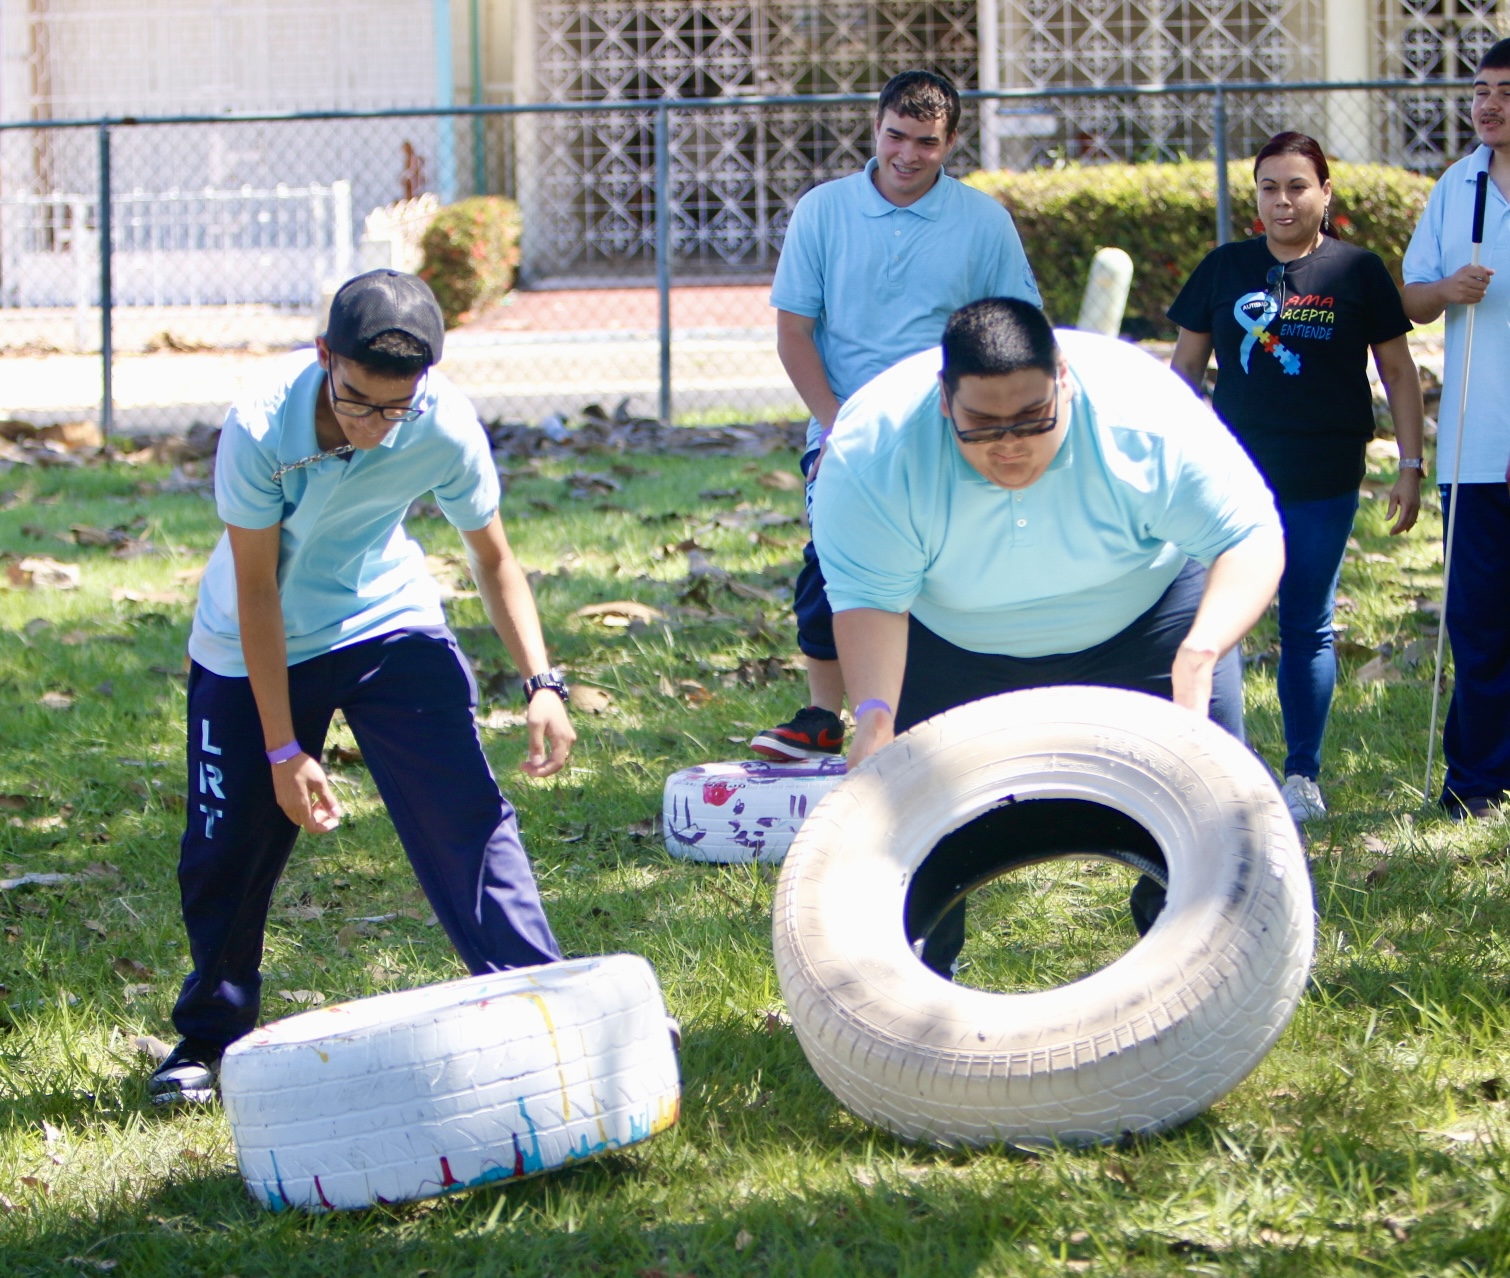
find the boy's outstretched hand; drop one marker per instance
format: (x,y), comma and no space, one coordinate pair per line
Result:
(304,794)
(547,722)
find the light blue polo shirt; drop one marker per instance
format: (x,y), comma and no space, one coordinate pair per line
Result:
(1443,241)
(347,571)
(882,281)
(1146,476)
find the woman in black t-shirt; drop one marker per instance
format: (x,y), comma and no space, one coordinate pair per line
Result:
(1293,315)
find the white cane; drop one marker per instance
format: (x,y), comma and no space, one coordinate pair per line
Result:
(1481,192)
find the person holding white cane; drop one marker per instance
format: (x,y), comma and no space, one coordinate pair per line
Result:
(1446,270)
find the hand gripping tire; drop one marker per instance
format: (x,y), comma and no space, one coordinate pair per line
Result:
(435,1090)
(749,810)
(1143,1044)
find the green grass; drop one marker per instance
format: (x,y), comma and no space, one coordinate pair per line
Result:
(1373,1140)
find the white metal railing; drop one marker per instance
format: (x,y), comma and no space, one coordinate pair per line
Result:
(279,246)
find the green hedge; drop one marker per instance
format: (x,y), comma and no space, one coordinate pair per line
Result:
(1164,216)
(471,251)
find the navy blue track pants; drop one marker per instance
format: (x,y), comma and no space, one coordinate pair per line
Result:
(1476,737)
(408,698)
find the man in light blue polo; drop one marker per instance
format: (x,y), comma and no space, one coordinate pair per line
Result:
(316,600)
(1440,276)
(1037,512)
(871,269)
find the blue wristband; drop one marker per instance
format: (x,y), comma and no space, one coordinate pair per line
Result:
(871,703)
(284,753)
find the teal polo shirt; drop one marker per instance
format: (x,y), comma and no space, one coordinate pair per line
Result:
(1442,242)
(347,570)
(1147,476)
(882,281)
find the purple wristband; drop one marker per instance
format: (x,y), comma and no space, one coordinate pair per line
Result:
(873,703)
(284,753)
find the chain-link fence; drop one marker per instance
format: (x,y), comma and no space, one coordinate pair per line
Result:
(650,232)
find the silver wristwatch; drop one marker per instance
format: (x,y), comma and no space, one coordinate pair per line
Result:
(551,679)
(1412,463)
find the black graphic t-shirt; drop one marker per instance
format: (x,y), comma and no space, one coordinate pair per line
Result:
(1292,352)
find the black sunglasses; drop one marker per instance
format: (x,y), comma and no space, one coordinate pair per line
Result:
(1018,430)
(1275,284)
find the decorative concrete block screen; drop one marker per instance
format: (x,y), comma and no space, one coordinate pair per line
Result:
(586,182)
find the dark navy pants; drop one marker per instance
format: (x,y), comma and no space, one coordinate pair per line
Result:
(1476,738)
(815,619)
(940,675)
(408,698)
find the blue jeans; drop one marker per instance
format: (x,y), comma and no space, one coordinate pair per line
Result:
(1316,534)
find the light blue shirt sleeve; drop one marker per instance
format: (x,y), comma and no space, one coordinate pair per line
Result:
(1014,277)
(871,559)
(246,495)
(469,495)
(1213,496)
(798,286)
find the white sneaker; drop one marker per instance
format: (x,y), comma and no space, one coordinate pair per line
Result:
(1303,798)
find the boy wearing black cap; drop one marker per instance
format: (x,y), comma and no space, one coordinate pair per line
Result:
(317,600)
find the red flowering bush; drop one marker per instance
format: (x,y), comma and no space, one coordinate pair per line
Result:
(471,251)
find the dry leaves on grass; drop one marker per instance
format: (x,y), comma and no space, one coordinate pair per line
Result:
(123,594)
(152,1046)
(309,998)
(53,821)
(41,572)
(693,693)
(620,613)
(589,700)
(743,1239)
(38,880)
(57,700)
(1378,670)
(500,720)
(781,481)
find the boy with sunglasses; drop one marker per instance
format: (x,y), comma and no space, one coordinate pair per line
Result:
(1037,512)
(316,600)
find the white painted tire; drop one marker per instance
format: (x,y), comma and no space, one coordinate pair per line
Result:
(1145,1043)
(749,810)
(445,1088)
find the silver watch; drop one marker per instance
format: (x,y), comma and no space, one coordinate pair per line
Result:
(1412,463)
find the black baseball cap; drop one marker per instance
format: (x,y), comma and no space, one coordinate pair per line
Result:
(379,302)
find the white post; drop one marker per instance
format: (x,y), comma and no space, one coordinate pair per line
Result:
(340,201)
(85,273)
(1106,289)
(320,255)
(1349,116)
(988,38)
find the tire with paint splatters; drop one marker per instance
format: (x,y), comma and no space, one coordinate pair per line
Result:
(435,1090)
(748,810)
(1147,1042)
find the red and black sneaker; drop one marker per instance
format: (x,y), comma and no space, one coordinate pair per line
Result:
(812,734)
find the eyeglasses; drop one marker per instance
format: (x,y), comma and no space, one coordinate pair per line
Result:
(1018,430)
(360,408)
(1275,283)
